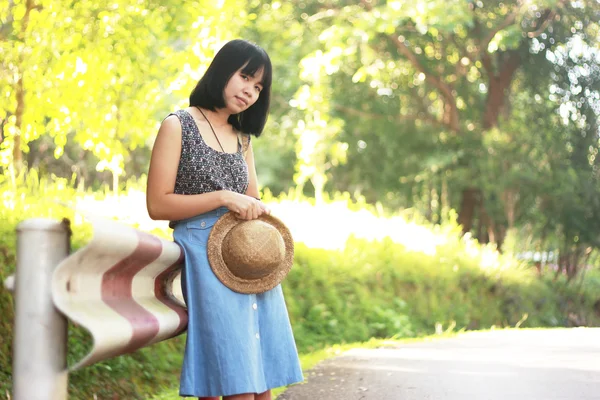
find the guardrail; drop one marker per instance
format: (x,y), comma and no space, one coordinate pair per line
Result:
(123,287)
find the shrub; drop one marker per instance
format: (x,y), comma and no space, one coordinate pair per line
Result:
(369,288)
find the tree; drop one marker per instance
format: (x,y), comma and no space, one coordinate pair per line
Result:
(448,70)
(101,74)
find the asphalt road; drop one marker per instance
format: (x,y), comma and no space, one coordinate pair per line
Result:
(497,365)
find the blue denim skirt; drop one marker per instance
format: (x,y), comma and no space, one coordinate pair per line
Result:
(236,343)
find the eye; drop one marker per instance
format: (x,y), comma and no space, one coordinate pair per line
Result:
(258,88)
(245,77)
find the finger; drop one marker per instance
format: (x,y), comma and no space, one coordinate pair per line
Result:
(247,213)
(265,209)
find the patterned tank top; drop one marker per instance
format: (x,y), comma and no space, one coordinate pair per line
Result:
(203,169)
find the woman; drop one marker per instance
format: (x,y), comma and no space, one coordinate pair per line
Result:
(238,346)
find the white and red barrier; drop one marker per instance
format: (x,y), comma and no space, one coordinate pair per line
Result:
(123,287)
(119,288)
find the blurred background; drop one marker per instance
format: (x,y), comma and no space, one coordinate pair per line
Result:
(436,160)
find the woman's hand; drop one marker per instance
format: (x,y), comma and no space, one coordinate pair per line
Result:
(245,207)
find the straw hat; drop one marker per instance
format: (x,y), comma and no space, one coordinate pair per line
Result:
(250,256)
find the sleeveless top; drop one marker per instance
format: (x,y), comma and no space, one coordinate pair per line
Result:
(203,169)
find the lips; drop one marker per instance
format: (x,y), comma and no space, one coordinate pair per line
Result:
(244,102)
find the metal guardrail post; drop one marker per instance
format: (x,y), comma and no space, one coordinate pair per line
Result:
(40,330)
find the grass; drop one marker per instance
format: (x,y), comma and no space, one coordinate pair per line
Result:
(410,281)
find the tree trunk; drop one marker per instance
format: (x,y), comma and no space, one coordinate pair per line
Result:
(470,200)
(488,230)
(318,180)
(115,184)
(3,123)
(444,200)
(428,189)
(498,86)
(494,103)
(20,91)
(510,198)
(17,152)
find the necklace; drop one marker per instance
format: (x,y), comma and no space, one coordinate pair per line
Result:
(218,141)
(212,129)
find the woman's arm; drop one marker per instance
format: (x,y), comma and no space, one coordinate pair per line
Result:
(252,189)
(163,204)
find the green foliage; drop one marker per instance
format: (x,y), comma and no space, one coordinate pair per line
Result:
(370,289)
(99,77)
(389,100)
(28,196)
(364,97)
(379,289)
(560,166)
(440,97)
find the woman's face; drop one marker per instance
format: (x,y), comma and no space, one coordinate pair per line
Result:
(242,91)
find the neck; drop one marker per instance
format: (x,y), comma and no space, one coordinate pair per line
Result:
(218,117)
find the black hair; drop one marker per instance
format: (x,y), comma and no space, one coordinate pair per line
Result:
(209,90)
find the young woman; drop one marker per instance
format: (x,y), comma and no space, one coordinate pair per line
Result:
(238,346)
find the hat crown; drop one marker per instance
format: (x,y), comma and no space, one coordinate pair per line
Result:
(253,249)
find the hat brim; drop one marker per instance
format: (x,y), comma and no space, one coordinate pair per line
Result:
(247,286)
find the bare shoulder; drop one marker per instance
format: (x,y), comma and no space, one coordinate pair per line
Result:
(169,137)
(171,124)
